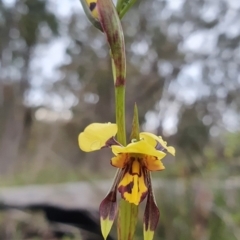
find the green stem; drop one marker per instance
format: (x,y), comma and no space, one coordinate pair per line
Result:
(119,106)
(120,113)
(127,220)
(127,217)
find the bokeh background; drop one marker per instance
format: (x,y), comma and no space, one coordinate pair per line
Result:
(183,65)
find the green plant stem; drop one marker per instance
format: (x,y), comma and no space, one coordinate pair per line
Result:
(119,106)
(127,220)
(120,113)
(127,217)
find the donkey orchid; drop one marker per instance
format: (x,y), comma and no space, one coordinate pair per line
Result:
(135,162)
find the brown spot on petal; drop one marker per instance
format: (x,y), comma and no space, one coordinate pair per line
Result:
(111,142)
(127,188)
(92,6)
(133,187)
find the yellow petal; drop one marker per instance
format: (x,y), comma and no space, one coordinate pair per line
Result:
(132,186)
(153,163)
(171,150)
(120,160)
(141,147)
(152,139)
(95,136)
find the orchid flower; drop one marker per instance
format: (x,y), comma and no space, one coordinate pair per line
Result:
(135,162)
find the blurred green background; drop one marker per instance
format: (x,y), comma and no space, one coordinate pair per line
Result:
(183,65)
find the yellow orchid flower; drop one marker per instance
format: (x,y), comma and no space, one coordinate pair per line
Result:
(133,158)
(135,161)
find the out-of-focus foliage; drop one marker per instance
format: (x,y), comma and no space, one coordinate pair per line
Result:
(183,64)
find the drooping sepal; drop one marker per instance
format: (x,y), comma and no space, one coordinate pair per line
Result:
(108,211)
(108,207)
(151,214)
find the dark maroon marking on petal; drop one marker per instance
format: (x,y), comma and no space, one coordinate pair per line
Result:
(159,147)
(144,170)
(108,207)
(92,6)
(128,188)
(131,160)
(111,142)
(143,196)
